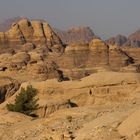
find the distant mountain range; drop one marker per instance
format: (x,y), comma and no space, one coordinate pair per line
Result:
(122,41)
(76,35)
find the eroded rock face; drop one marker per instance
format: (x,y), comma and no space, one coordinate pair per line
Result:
(81,60)
(36,32)
(8,87)
(100,51)
(119,58)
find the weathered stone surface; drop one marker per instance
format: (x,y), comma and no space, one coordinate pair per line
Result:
(8,87)
(105,102)
(36,32)
(28,47)
(100,52)
(119,58)
(82,60)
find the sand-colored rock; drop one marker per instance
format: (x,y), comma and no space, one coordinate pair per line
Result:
(8,87)
(97,54)
(21,57)
(130,126)
(105,103)
(28,47)
(25,31)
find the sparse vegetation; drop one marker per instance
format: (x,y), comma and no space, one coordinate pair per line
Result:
(25,102)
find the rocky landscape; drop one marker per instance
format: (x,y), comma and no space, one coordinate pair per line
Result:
(75,35)
(86,90)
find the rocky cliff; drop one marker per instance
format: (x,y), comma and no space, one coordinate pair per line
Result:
(73,35)
(81,60)
(36,32)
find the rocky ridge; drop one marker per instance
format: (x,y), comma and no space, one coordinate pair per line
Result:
(122,41)
(76,35)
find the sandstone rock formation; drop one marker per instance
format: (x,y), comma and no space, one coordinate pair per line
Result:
(74,35)
(39,43)
(96,54)
(8,87)
(36,32)
(100,51)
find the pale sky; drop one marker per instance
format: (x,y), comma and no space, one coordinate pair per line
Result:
(106,17)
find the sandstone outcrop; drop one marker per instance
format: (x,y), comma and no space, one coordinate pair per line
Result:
(99,51)
(96,54)
(8,87)
(28,47)
(36,32)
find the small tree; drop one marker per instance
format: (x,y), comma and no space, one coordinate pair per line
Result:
(25,102)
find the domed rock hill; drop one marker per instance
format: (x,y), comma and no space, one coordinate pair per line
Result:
(36,32)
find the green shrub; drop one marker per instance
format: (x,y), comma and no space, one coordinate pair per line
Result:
(25,102)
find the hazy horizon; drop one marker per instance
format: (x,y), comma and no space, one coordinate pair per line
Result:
(107,18)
